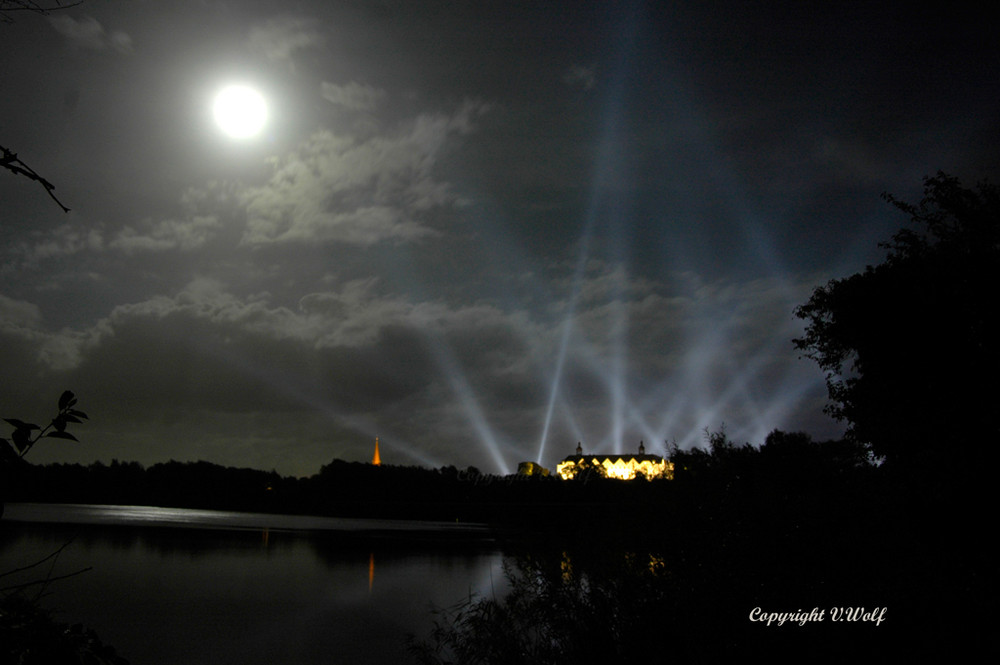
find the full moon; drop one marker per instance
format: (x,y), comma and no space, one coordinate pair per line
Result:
(240,111)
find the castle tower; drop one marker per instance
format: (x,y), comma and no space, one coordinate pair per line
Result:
(642,448)
(376,460)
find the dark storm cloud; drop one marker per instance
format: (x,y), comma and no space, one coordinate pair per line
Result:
(214,351)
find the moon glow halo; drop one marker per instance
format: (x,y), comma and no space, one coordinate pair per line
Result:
(240,111)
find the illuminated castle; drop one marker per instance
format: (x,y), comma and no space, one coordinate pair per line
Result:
(625,467)
(376,460)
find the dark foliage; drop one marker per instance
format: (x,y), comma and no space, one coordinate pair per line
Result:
(28,633)
(30,636)
(26,435)
(791,525)
(585,607)
(909,346)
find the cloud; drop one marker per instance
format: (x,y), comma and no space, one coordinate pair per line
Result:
(89,35)
(333,342)
(20,341)
(209,365)
(849,159)
(64,240)
(382,188)
(153,236)
(279,39)
(580,77)
(359,192)
(353,96)
(202,210)
(185,235)
(17,314)
(433,376)
(28,349)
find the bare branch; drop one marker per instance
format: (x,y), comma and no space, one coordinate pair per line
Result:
(9,160)
(8,6)
(46,581)
(37,563)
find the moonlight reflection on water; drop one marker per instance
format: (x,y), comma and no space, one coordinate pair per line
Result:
(245,594)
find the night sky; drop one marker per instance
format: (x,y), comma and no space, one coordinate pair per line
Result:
(481,231)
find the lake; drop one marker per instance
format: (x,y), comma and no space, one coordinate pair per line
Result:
(195,586)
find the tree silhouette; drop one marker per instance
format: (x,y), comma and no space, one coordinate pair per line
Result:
(909,346)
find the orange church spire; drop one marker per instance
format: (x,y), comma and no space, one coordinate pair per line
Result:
(376,460)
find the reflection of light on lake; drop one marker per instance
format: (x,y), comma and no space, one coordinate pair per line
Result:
(178,595)
(221,519)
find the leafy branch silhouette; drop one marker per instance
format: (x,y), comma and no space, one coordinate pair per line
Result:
(26,435)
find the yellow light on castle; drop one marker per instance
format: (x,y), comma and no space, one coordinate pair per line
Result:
(376,460)
(622,467)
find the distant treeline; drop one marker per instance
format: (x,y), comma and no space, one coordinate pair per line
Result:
(786,467)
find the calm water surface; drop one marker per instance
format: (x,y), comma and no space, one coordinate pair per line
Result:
(182,586)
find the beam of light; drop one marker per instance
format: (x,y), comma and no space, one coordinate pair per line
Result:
(493,226)
(470,405)
(570,420)
(619,368)
(297,389)
(699,395)
(554,387)
(716,391)
(579,273)
(638,420)
(405,271)
(740,396)
(608,163)
(567,329)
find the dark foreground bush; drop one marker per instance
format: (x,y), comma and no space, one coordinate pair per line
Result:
(557,609)
(30,636)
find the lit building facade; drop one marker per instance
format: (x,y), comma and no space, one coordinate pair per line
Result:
(624,467)
(531,469)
